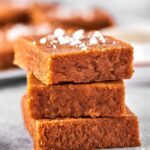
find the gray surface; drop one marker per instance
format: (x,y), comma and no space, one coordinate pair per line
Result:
(13,135)
(14,73)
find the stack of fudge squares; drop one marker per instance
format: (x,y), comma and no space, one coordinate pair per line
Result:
(75,91)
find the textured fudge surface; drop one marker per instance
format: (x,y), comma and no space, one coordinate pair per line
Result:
(82,133)
(79,57)
(89,18)
(8,36)
(75,100)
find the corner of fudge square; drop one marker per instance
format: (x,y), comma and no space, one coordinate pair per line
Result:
(75,57)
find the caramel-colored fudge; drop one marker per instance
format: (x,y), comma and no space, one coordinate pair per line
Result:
(6,57)
(13,14)
(8,36)
(75,100)
(6,52)
(77,58)
(82,133)
(88,18)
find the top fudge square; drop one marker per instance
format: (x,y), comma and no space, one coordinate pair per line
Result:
(77,57)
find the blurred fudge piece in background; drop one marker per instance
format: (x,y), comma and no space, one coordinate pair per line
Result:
(10,13)
(10,33)
(64,16)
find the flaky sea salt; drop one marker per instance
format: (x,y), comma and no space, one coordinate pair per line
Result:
(83,46)
(78,34)
(102,39)
(93,40)
(74,42)
(64,39)
(59,32)
(99,36)
(43,40)
(96,34)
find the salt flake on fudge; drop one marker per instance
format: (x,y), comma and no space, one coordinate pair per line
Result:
(78,34)
(43,40)
(59,32)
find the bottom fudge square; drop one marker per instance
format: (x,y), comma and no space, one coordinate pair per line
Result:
(82,133)
(75,100)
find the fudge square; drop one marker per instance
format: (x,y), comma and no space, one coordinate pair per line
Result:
(82,133)
(58,15)
(75,100)
(79,57)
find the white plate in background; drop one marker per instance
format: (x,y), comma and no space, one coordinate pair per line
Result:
(141,54)
(138,36)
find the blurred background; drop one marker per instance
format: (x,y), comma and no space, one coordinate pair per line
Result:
(132,24)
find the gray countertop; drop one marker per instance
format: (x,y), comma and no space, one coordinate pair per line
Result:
(13,135)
